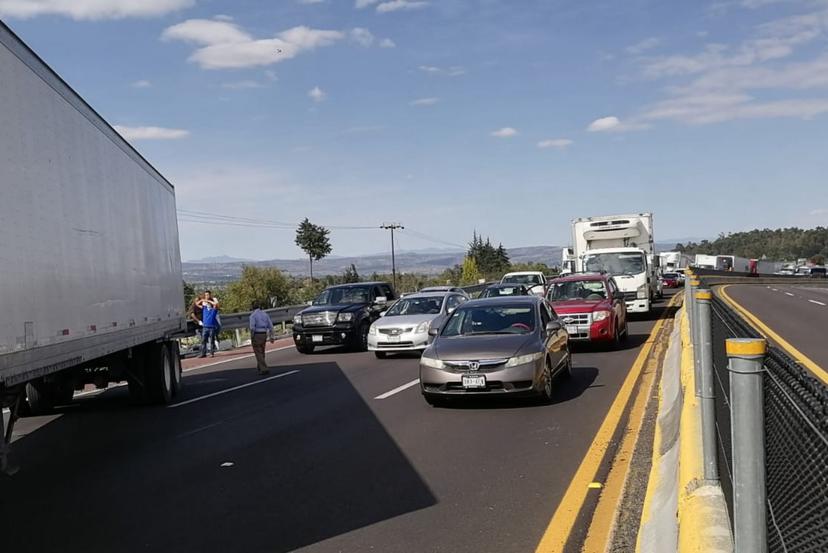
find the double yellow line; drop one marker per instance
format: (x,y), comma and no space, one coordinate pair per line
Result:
(560,528)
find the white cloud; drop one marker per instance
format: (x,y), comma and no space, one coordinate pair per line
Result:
(317,94)
(387,43)
(223,17)
(224,45)
(151,133)
(419,102)
(643,46)
(362,36)
(143,83)
(505,132)
(400,5)
(819,212)
(453,71)
(309,2)
(361,4)
(604,124)
(91,9)
(558,143)
(242,85)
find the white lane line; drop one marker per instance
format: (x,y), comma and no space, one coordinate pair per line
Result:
(817,302)
(233,389)
(398,389)
(248,356)
(775,289)
(789,294)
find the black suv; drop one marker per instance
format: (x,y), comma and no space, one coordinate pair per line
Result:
(342,315)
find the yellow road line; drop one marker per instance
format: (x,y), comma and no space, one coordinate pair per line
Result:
(560,527)
(766,331)
(600,528)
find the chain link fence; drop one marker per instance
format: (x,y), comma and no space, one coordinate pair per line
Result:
(796,440)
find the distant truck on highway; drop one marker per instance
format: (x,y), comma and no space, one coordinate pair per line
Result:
(89,254)
(623,247)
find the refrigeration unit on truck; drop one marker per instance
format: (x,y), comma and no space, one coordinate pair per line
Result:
(622,246)
(89,255)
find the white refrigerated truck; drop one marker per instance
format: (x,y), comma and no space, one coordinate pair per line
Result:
(622,246)
(90,267)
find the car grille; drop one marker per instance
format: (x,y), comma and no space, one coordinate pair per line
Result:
(392,345)
(630,296)
(579,322)
(576,318)
(324,318)
(485,365)
(395,331)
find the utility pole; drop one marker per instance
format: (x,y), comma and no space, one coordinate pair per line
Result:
(392,227)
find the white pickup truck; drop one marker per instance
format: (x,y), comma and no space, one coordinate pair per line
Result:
(535,281)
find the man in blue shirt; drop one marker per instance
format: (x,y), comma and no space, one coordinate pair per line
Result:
(261,327)
(209,322)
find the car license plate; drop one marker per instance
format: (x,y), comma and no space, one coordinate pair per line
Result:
(473,381)
(316,338)
(572,329)
(394,339)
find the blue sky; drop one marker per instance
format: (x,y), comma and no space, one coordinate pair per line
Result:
(509,117)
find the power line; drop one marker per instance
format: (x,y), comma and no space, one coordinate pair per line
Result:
(428,238)
(204,217)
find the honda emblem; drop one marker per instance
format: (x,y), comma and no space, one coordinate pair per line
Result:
(474,365)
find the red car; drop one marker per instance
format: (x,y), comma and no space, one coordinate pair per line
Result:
(591,306)
(671,280)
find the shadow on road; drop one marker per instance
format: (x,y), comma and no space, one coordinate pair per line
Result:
(308,461)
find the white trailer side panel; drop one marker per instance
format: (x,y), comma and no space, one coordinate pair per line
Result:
(89,240)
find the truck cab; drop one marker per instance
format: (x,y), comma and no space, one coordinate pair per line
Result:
(342,315)
(631,271)
(535,281)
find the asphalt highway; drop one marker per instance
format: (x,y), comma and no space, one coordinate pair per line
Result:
(797,313)
(334,452)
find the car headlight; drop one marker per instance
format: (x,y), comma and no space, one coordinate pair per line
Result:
(523,359)
(643,292)
(432,362)
(372,331)
(600,315)
(297,319)
(345,317)
(423,327)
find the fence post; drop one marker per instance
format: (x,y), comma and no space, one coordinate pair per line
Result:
(746,364)
(238,337)
(694,335)
(706,386)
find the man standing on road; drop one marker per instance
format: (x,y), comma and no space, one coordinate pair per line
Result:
(261,328)
(209,322)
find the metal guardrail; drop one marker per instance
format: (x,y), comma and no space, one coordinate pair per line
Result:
(780,504)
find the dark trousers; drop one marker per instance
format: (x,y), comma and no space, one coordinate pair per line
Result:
(259,340)
(207,335)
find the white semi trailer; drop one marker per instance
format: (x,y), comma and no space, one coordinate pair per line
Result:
(623,246)
(89,255)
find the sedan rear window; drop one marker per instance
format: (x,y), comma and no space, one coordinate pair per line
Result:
(500,319)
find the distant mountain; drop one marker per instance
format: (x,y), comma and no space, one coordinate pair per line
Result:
(219,259)
(432,262)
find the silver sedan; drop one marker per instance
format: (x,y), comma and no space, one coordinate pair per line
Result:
(500,346)
(404,327)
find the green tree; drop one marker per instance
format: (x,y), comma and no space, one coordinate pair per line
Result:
(471,273)
(266,285)
(314,241)
(189,295)
(350,274)
(818,259)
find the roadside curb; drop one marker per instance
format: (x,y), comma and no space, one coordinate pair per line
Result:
(683,513)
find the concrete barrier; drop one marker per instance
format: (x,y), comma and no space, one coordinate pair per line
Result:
(682,513)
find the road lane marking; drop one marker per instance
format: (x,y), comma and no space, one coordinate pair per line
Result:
(775,289)
(398,389)
(766,331)
(557,534)
(233,389)
(817,302)
(248,356)
(789,294)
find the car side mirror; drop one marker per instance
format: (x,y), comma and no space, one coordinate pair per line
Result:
(553,326)
(382,314)
(433,332)
(381,300)
(451,310)
(310,302)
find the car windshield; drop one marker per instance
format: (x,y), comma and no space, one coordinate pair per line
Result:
(522,279)
(616,263)
(671,275)
(337,296)
(578,290)
(496,319)
(416,306)
(498,291)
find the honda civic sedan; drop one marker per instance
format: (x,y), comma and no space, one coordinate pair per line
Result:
(512,346)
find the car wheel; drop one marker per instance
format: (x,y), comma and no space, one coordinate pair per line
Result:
(380,354)
(626,333)
(616,339)
(361,339)
(546,389)
(306,350)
